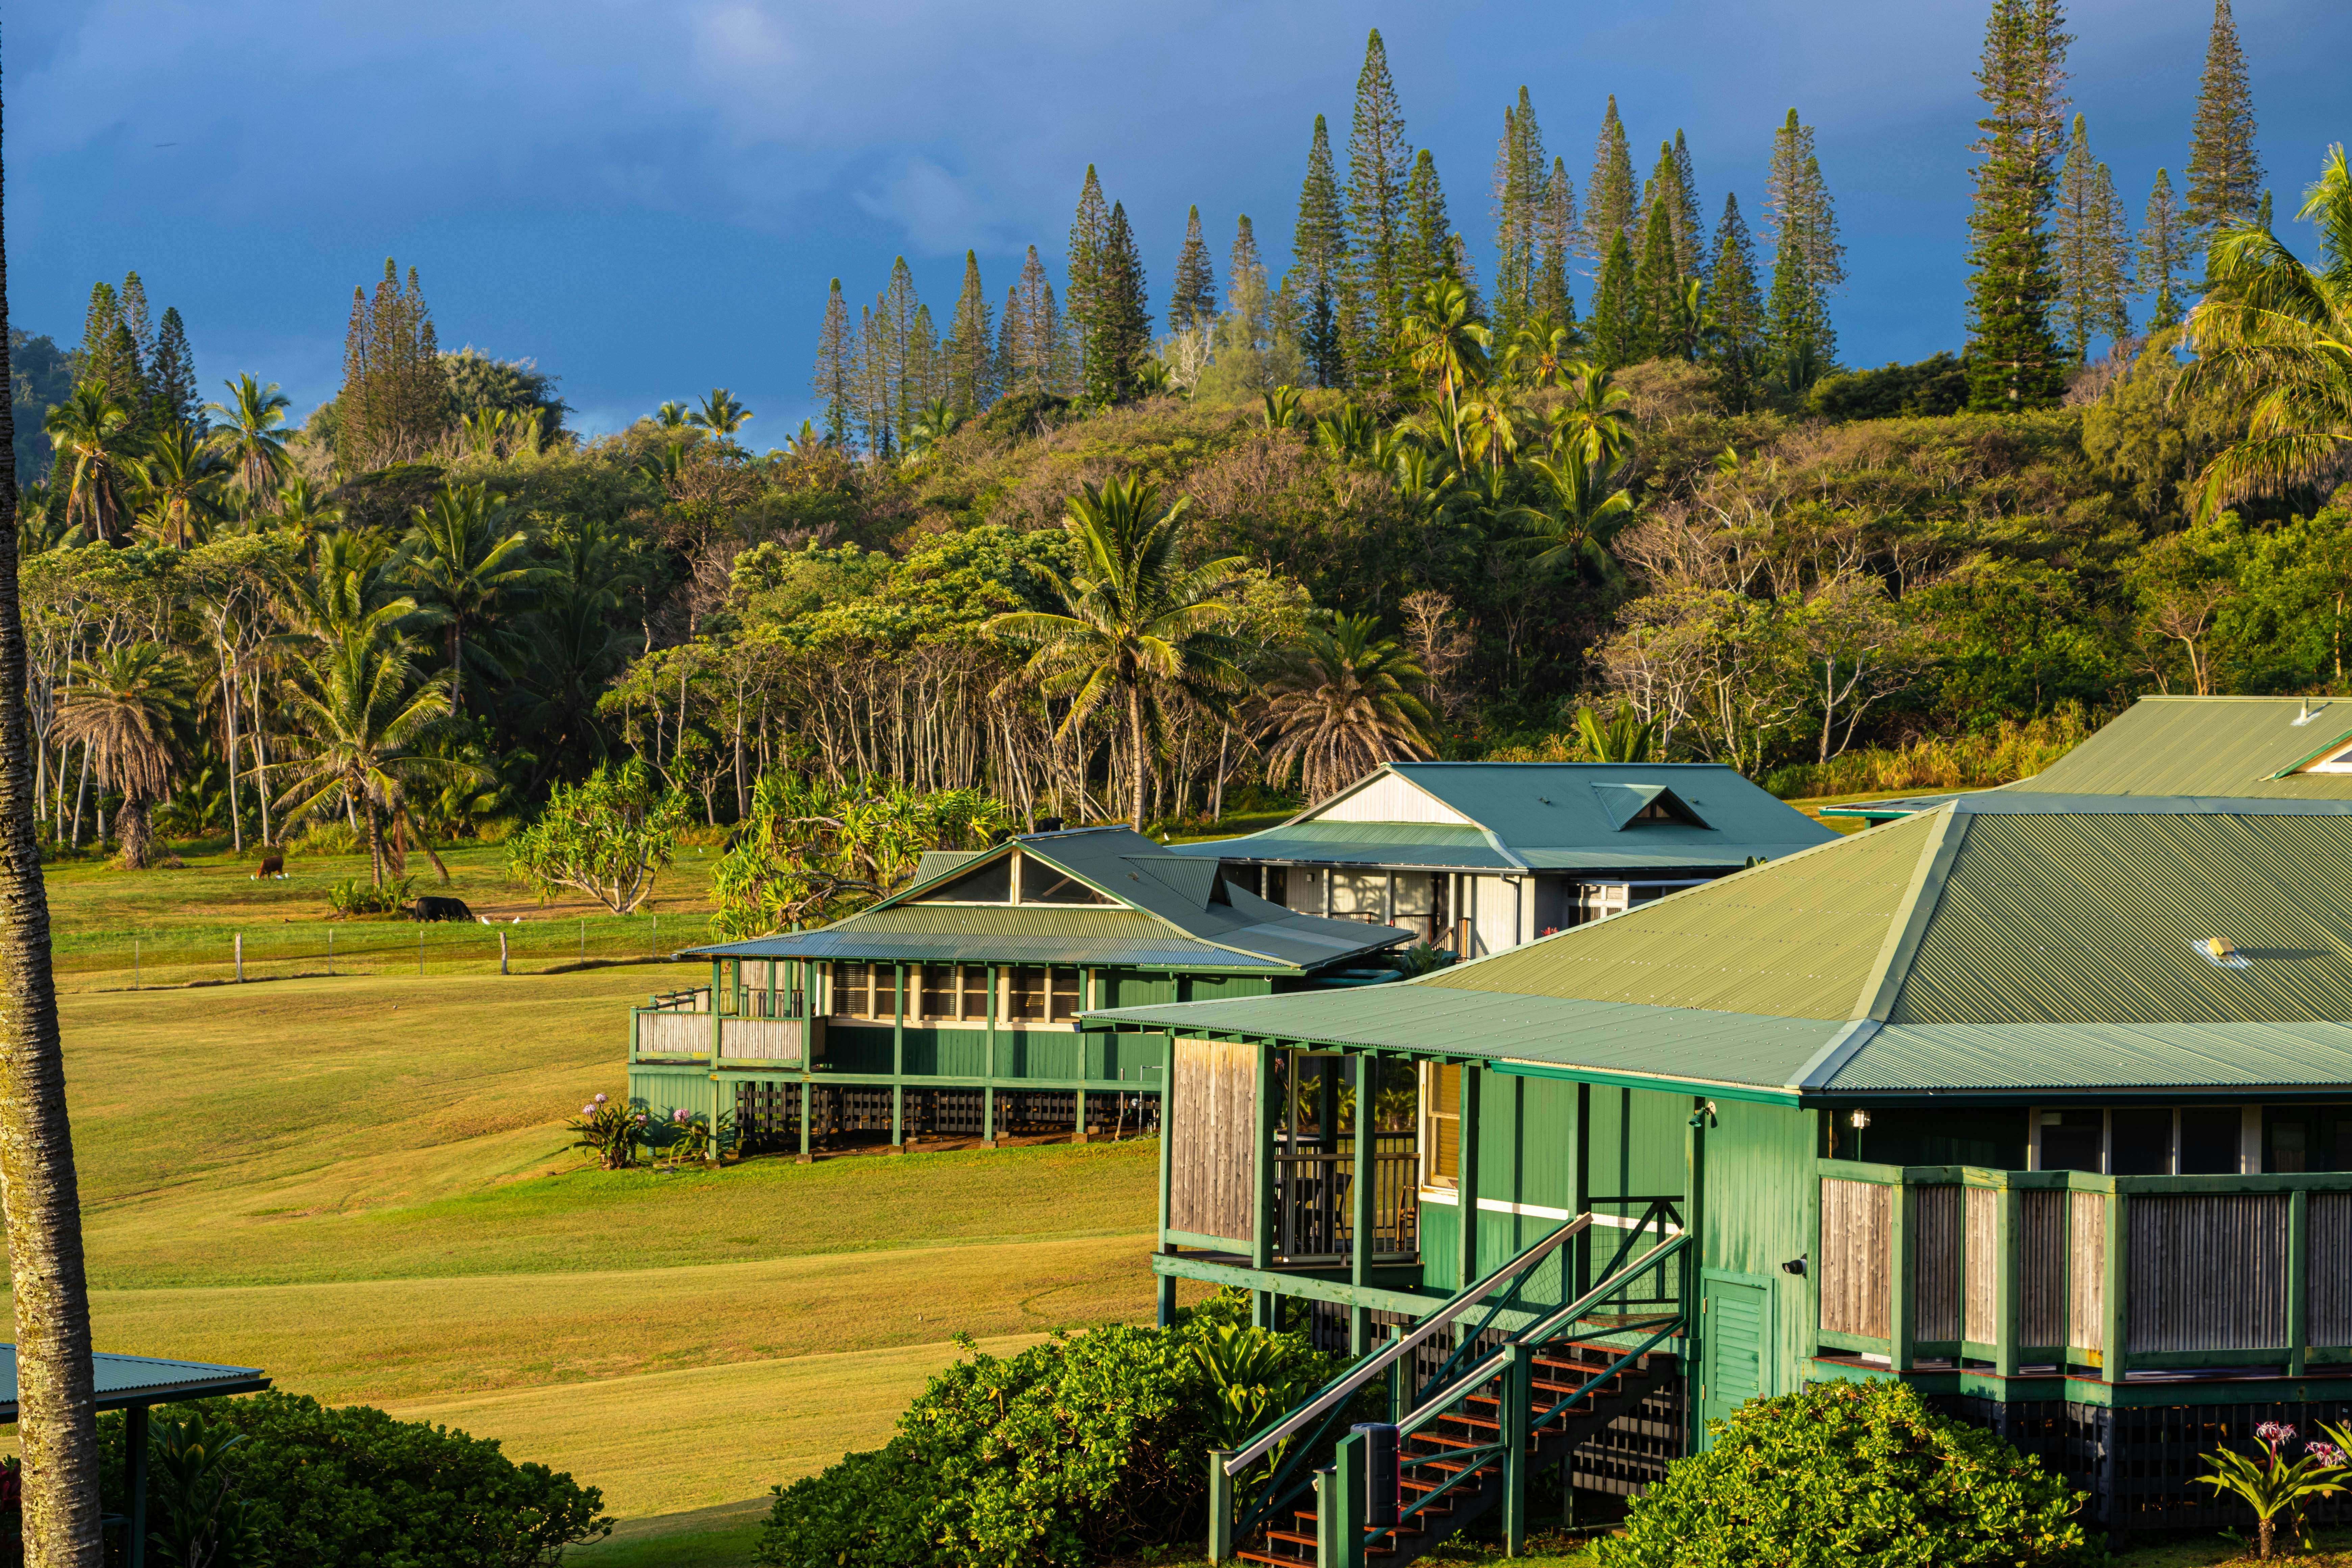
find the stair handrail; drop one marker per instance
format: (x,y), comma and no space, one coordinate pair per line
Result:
(1542,1330)
(1374,1363)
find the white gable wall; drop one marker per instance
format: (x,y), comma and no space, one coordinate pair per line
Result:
(1390,798)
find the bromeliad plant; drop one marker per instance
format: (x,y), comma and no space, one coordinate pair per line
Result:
(610,1130)
(2271,1487)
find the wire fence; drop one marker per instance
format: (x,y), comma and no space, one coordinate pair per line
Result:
(290,950)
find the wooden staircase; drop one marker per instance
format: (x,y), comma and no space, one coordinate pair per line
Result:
(1451,1472)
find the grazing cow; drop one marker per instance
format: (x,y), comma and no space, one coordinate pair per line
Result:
(272,864)
(438,908)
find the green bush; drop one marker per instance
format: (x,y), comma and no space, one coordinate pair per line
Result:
(355,1489)
(1852,1473)
(1089,1445)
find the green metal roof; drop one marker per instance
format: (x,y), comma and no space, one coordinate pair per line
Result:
(1167,913)
(1545,816)
(119,1381)
(2230,746)
(1910,953)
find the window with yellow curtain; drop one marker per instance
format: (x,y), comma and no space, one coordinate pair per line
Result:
(1441,1125)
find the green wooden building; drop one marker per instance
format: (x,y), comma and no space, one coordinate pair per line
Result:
(2041,1103)
(2227,748)
(1481,857)
(950,1008)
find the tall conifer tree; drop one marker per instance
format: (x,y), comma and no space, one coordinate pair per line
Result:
(1044,362)
(110,347)
(1808,258)
(1690,221)
(1089,232)
(1563,237)
(172,376)
(2014,360)
(969,351)
(394,402)
(834,381)
(1317,281)
(1610,195)
(1243,265)
(2093,244)
(141,331)
(902,346)
(1736,303)
(1005,365)
(1660,320)
(1521,191)
(2225,171)
(1428,255)
(1122,325)
(1379,233)
(1192,300)
(878,417)
(1614,327)
(2164,248)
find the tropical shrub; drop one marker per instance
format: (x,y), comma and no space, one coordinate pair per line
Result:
(2272,1485)
(319,1487)
(609,837)
(1090,1446)
(355,896)
(610,1130)
(1848,1473)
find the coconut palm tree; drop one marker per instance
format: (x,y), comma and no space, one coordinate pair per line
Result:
(671,416)
(251,435)
(122,706)
(1597,420)
(720,414)
(1623,737)
(1445,343)
(2277,337)
(97,452)
(934,423)
(361,718)
(1584,512)
(1539,355)
(179,489)
(41,524)
(301,511)
(1139,624)
(1341,705)
(463,557)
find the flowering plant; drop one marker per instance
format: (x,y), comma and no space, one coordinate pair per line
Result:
(610,1130)
(2271,1485)
(689,1136)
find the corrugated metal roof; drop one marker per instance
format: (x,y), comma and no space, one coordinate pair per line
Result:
(1791,939)
(125,1380)
(1685,1045)
(2086,918)
(1945,1057)
(1173,913)
(2226,746)
(1545,816)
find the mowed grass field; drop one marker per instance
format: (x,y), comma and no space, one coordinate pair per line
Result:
(361,1185)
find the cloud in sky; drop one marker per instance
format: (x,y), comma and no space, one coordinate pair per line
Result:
(649,198)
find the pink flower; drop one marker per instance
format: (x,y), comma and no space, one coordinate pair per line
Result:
(588,1110)
(2327,1454)
(2275,1432)
(679,1115)
(600,1099)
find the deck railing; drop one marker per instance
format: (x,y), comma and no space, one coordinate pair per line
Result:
(1315,1191)
(2065,1268)
(752,1024)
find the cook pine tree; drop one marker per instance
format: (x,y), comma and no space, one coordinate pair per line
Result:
(2015,360)
(1380,235)
(2225,171)
(1316,290)
(2093,244)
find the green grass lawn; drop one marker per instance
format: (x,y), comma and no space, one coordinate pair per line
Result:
(362,1185)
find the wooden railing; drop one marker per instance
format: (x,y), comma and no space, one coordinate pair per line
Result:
(1314,1197)
(2058,1268)
(751,1025)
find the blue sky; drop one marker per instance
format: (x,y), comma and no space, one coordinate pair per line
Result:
(649,199)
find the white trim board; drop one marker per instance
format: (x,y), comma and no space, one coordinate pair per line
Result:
(1445,1199)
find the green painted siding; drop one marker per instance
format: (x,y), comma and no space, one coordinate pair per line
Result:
(1763,1209)
(1020,1054)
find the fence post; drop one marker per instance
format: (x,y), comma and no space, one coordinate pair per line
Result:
(240,958)
(502,953)
(583,952)
(1221,1506)
(1339,1529)
(420,950)
(134,963)
(1516,1404)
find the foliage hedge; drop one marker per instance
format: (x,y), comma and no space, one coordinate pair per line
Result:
(1848,1473)
(353,1487)
(1089,1445)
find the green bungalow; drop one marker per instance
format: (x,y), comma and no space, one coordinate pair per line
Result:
(2047,1111)
(950,1009)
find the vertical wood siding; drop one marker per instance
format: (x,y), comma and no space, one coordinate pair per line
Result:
(1856,1251)
(760,1039)
(1212,1122)
(673,1033)
(2041,1303)
(1982,1259)
(2086,1270)
(1936,1265)
(2330,1268)
(2208,1272)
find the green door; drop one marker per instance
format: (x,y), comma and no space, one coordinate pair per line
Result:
(1738,1311)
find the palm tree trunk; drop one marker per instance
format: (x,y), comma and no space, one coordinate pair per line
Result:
(136,840)
(261,761)
(58,1427)
(1135,740)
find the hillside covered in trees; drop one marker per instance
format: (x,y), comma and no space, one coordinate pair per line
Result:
(1098,553)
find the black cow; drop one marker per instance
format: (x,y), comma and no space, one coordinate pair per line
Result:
(437,909)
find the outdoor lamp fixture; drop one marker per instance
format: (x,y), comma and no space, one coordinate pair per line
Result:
(1859,1119)
(1795,1265)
